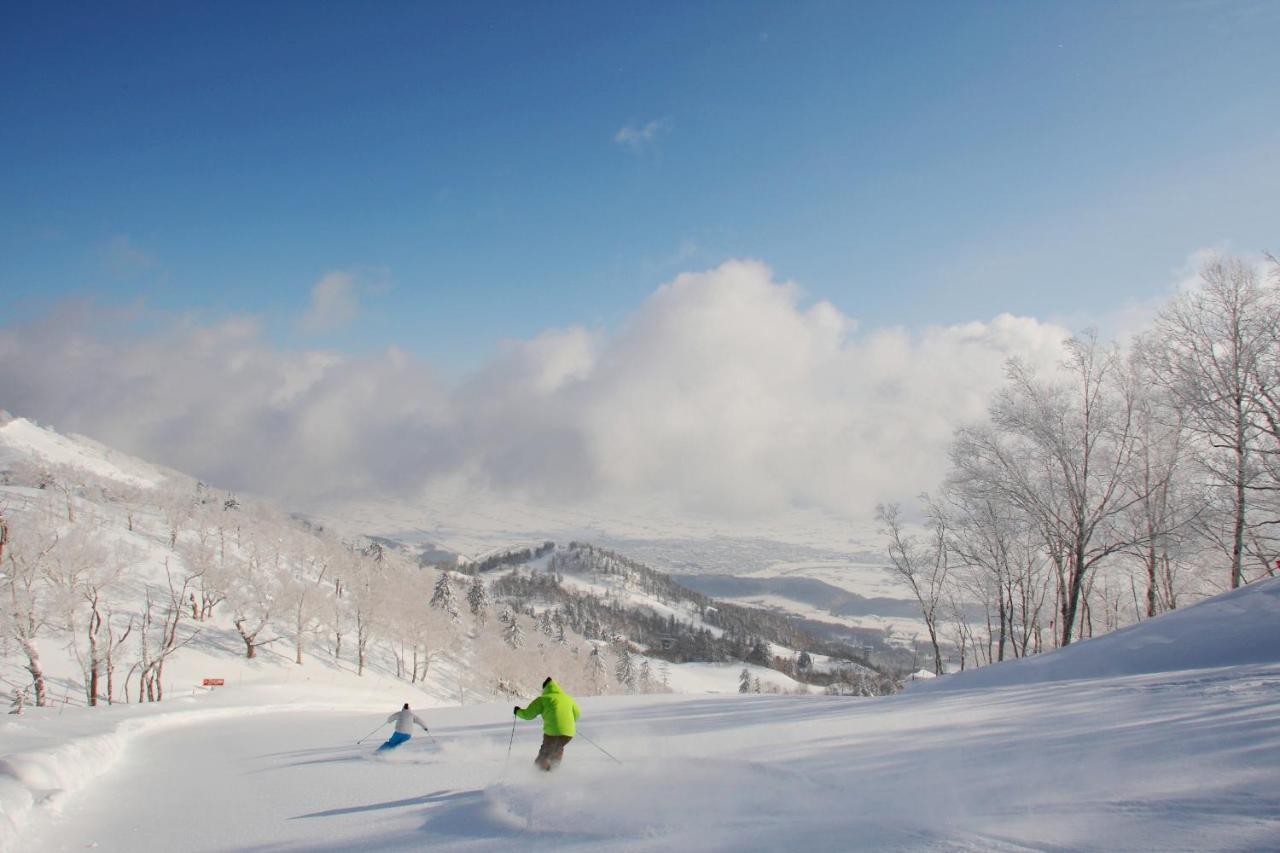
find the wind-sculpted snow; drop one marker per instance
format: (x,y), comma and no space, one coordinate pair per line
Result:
(1239,627)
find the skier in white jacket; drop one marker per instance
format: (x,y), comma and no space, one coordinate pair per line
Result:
(404,720)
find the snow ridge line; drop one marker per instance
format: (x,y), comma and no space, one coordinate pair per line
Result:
(45,777)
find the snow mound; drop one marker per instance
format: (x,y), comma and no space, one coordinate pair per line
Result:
(21,436)
(1237,628)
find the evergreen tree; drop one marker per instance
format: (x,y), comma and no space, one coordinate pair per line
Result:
(513,634)
(478,599)
(598,668)
(744,681)
(646,677)
(755,684)
(442,596)
(624,670)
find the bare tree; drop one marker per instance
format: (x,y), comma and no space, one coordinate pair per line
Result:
(113,645)
(84,571)
(923,566)
(1164,507)
(984,537)
(302,575)
(1264,535)
(1207,352)
(1058,451)
(25,587)
(160,638)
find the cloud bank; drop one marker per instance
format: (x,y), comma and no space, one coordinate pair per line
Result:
(725,392)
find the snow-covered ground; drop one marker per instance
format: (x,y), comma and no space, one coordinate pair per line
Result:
(1172,751)
(20,435)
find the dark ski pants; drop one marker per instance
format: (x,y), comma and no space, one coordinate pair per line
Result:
(552,751)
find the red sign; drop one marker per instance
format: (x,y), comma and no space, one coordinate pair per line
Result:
(214,682)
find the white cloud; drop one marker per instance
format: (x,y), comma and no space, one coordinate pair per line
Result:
(726,393)
(124,260)
(1136,315)
(334,303)
(637,137)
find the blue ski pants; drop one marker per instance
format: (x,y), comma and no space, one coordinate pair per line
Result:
(394,741)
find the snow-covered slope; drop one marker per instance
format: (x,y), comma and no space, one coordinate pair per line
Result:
(20,437)
(1161,761)
(1236,628)
(1151,763)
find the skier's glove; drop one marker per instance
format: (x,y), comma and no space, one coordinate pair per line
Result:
(515,710)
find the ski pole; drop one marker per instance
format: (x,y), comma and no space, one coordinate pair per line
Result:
(430,735)
(507,761)
(370,734)
(597,746)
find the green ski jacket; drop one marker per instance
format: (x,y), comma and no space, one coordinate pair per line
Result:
(559,711)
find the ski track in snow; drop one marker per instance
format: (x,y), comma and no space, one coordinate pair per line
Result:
(1177,761)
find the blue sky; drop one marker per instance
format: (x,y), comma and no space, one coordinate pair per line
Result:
(489,171)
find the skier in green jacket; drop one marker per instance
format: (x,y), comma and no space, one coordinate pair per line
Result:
(559,715)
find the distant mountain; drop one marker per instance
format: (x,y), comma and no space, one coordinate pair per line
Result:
(816,593)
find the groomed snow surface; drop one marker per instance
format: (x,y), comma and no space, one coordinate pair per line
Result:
(1172,758)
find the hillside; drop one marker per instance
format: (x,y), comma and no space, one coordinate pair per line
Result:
(1238,628)
(241,592)
(144,581)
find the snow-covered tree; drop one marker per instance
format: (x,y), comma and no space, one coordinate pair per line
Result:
(624,668)
(442,596)
(923,566)
(597,668)
(744,681)
(512,632)
(478,600)
(1208,351)
(159,632)
(28,604)
(1058,448)
(85,571)
(253,593)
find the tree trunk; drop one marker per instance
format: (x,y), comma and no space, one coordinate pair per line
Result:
(95,622)
(250,650)
(1071,602)
(937,652)
(1003,615)
(1237,541)
(37,673)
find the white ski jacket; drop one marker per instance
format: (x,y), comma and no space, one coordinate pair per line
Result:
(404,721)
